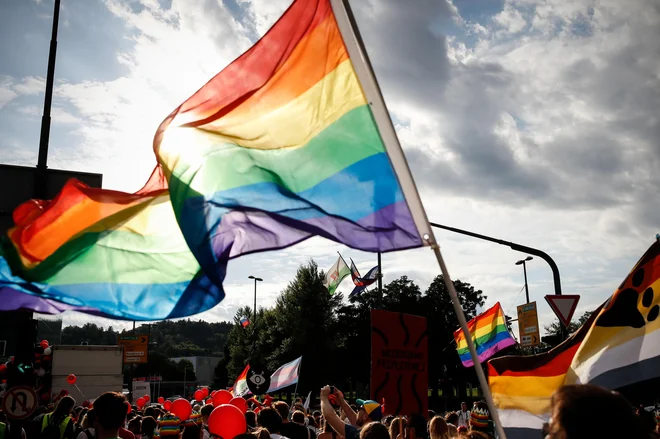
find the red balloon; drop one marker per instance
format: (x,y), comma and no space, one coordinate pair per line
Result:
(209,401)
(130,409)
(43,344)
(3,368)
(213,393)
(240,403)
(167,405)
(182,409)
(147,398)
(227,421)
(71,379)
(221,397)
(205,391)
(140,402)
(199,395)
(161,400)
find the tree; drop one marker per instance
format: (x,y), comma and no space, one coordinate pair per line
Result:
(444,363)
(221,373)
(555,327)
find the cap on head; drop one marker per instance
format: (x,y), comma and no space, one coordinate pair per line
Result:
(373,409)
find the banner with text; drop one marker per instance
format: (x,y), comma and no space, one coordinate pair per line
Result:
(399,362)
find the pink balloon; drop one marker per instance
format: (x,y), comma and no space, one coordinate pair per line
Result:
(240,403)
(227,421)
(221,397)
(182,409)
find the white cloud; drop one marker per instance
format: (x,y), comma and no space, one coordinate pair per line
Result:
(544,132)
(510,20)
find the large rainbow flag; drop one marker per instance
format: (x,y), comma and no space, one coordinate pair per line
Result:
(489,334)
(618,346)
(267,154)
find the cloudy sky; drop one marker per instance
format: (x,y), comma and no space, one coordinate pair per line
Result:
(532,121)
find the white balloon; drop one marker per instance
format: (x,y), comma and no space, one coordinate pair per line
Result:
(48,351)
(41,372)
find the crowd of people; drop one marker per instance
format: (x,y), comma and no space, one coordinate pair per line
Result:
(111,417)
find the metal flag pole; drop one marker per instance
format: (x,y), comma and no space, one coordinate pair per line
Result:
(358,54)
(468,337)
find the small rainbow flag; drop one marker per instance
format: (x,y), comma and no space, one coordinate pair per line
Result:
(262,157)
(245,322)
(489,333)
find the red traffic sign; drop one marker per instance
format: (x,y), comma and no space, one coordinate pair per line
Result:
(563,306)
(19,402)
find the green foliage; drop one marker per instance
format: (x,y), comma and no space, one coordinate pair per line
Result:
(335,338)
(554,327)
(168,369)
(182,338)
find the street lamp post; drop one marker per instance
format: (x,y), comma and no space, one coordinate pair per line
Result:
(523,262)
(256,279)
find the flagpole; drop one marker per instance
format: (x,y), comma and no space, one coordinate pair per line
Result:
(380,283)
(358,55)
(466,332)
(295,392)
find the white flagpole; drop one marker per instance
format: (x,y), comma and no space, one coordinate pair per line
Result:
(361,64)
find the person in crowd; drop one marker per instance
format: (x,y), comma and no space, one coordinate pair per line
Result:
(374,430)
(416,427)
(150,411)
(5,428)
(110,415)
(260,433)
(387,421)
(58,424)
(251,419)
(87,426)
(438,428)
(476,435)
(311,424)
(192,431)
(480,419)
(369,411)
(135,426)
(298,417)
(169,425)
(397,426)
(270,419)
(452,419)
(291,430)
(206,412)
(463,416)
(328,432)
(317,418)
(148,427)
(573,404)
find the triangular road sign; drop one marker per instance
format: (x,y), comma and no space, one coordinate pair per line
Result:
(563,306)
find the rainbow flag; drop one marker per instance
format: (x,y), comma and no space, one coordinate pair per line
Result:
(489,334)
(245,322)
(240,387)
(262,157)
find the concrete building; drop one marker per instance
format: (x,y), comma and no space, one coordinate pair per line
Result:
(203,367)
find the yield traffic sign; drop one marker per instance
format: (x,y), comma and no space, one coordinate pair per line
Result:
(19,402)
(564,306)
